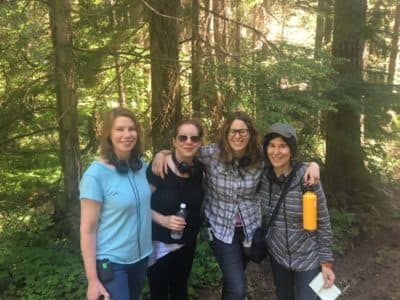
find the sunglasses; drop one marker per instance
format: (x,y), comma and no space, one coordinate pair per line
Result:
(183,138)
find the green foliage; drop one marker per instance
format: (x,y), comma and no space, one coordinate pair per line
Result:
(34,264)
(382,150)
(344,227)
(205,270)
(289,86)
(379,27)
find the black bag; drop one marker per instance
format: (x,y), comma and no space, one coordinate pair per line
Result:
(259,248)
(104,270)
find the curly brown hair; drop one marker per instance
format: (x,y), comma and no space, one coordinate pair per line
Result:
(106,147)
(252,156)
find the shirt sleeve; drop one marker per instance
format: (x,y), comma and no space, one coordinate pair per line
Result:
(206,153)
(91,188)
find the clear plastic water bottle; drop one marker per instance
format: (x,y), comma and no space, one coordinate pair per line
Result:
(177,234)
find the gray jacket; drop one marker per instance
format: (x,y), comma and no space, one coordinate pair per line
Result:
(291,245)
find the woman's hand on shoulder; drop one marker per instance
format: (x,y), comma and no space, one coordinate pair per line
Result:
(159,164)
(312,174)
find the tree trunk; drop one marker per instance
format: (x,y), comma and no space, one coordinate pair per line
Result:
(61,30)
(217,100)
(113,26)
(166,101)
(196,59)
(236,48)
(319,29)
(394,49)
(345,168)
(328,22)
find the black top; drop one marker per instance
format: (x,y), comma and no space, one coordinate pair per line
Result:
(169,193)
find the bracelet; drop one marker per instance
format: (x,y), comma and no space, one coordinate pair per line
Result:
(327,264)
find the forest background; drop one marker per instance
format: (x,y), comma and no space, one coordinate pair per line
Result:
(329,67)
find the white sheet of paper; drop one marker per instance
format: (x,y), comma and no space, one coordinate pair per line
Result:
(325,294)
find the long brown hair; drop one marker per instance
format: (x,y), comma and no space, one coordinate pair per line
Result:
(252,154)
(106,147)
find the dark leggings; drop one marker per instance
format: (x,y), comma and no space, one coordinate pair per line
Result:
(291,285)
(169,276)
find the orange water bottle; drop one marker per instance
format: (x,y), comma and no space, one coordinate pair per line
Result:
(309,209)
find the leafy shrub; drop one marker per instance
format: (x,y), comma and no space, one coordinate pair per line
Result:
(33,263)
(344,227)
(205,271)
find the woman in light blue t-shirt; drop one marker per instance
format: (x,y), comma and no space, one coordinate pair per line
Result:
(115,212)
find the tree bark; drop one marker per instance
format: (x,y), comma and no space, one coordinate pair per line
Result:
(61,30)
(196,59)
(236,48)
(345,168)
(394,49)
(319,29)
(166,101)
(216,99)
(328,22)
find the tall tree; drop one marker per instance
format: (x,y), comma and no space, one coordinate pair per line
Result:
(345,168)
(117,61)
(394,49)
(65,81)
(216,35)
(164,52)
(196,59)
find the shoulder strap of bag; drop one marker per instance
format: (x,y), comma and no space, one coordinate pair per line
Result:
(281,197)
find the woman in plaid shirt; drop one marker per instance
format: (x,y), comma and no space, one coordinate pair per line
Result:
(233,167)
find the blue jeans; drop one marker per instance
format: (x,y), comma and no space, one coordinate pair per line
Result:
(292,285)
(128,280)
(232,262)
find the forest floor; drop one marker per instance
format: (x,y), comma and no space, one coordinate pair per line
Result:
(369,270)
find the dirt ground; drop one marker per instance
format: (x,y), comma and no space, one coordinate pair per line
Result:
(370,270)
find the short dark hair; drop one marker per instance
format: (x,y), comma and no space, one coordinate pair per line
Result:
(290,141)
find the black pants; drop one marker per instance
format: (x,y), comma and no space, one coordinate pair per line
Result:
(169,276)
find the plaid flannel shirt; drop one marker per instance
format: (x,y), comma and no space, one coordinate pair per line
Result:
(230,190)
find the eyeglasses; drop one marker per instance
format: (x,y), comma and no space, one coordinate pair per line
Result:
(244,132)
(183,138)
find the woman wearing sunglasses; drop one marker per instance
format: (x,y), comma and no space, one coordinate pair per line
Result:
(171,261)
(233,166)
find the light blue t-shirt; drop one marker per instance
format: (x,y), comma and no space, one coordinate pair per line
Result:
(124,229)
